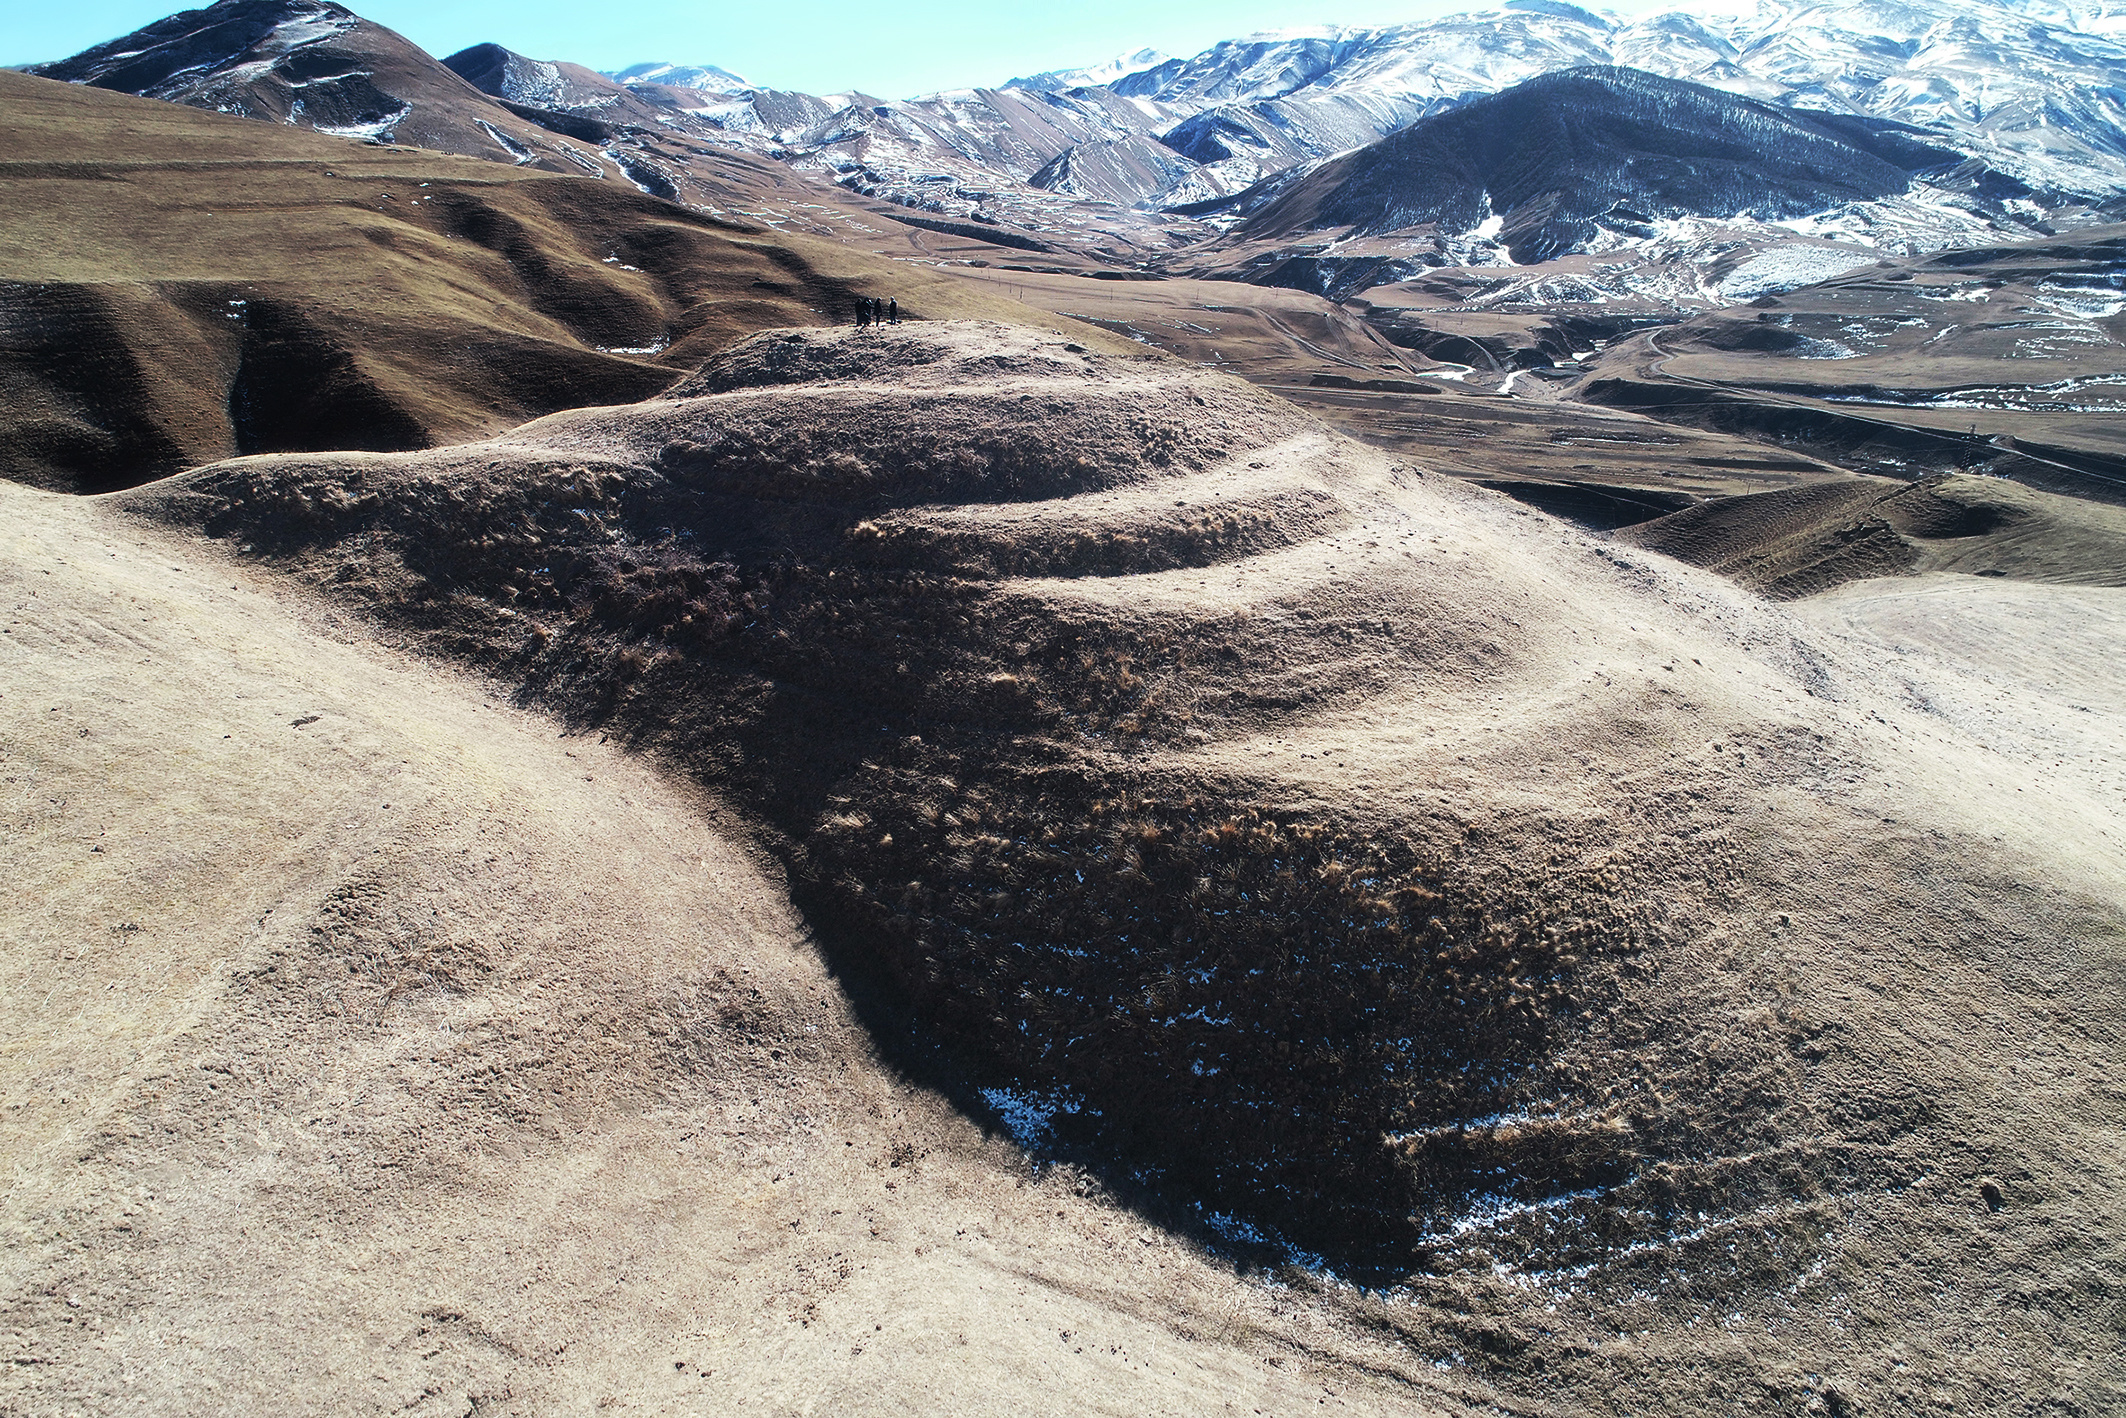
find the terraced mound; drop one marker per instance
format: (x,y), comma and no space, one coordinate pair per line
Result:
(370,1047)
(1350,866)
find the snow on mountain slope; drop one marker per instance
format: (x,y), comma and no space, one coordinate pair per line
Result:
(1554,163)
(741,113)
(541,83)
(2030,93)
(1063,80)
(682,76)
(2034,89)
(1285,132)
(316,65)
(1119,170)
(1027,158)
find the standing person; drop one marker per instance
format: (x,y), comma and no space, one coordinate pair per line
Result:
(863,311)
(893,310)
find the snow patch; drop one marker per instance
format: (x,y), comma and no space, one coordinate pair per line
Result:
(380,130)
(508,144)
(1790,268)
(1028,1116)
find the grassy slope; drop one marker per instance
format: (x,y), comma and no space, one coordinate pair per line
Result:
(180,286)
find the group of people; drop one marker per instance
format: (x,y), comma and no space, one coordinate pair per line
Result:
(872,311)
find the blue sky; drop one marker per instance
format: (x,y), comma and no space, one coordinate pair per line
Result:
(892,51)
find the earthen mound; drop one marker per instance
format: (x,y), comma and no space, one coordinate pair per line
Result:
(1351,865)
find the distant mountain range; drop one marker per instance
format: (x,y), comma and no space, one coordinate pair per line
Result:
(316,64)
(1553,164)
(1539,128)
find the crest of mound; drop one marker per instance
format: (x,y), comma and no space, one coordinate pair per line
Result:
(935,354)
(940,412)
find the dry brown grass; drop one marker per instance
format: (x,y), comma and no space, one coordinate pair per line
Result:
(184,286)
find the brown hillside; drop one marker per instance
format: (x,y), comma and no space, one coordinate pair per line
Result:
(370,1047)
(1806,540)
(1674,1000)
(314,64)
(179,286)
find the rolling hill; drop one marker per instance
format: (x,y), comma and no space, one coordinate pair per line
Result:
(181,286)
(1358,870)
(587,835)
(314,64)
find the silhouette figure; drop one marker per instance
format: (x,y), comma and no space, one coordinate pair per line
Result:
(893,310)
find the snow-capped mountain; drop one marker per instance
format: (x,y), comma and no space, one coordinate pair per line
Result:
(1023,155)
(2028,95)
(1120,67)
(315,64)
(706,77)
(1115,171)
(1553,165)
(540,83)
(2036,89)
(293,61)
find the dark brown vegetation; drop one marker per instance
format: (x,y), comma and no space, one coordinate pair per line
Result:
(1276,1015)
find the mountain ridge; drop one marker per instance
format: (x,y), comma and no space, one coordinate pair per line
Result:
(2029,93)
(1557,159)
(2030,97)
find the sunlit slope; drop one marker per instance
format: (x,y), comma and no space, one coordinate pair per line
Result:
(368,1045)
